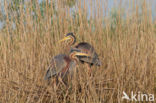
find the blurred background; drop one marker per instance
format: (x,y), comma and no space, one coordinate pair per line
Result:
(106,8)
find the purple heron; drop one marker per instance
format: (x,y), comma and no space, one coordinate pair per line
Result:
(91,59)
(63,64)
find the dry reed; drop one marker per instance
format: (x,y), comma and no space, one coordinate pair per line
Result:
(126,48)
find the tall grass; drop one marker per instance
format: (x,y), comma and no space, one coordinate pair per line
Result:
(126,47)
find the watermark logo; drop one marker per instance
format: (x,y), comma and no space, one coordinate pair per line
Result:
(138,96)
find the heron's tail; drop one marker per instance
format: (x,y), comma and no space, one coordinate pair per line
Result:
(98,62)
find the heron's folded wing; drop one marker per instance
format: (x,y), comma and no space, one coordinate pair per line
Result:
(57,64)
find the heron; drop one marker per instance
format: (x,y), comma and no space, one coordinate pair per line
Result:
(63,64)
(85,47)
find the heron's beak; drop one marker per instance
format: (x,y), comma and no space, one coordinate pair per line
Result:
(65,38)
(81,54)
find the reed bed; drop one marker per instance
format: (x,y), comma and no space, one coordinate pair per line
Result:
(29,39)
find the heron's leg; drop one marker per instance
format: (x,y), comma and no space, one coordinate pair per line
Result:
(60,79)
(55,84)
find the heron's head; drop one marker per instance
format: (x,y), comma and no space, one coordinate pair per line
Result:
(75,53)
(70,38)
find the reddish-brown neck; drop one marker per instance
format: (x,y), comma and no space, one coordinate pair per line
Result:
(73,57)
(67,60)
(72,41)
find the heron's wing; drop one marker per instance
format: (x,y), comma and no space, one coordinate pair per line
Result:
(86,59)
(87,48)
(56,65)
(90,60)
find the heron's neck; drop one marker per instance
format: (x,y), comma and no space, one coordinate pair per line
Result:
(72,57)
(72,42)
(75,59)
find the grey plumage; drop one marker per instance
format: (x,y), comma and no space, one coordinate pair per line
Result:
(57,64)
(93,59)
